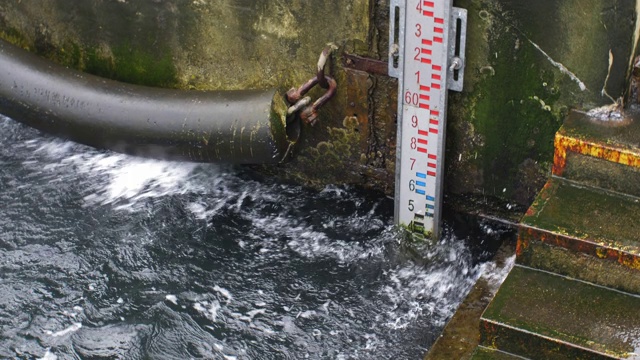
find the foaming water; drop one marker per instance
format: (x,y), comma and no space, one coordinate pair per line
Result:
(104,255)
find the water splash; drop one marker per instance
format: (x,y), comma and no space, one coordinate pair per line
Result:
(162,259)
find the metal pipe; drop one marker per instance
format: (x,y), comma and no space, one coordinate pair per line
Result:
(240,127)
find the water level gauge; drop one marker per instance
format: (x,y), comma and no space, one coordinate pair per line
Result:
(427,56)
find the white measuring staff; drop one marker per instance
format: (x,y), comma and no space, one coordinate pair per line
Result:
(427,45)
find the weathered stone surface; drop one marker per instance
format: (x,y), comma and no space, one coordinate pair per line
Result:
(222,44)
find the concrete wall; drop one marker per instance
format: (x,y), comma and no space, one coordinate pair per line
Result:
(529,63)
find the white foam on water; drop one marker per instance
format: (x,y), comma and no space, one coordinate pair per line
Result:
(630,337)
(71,329)
(112,179)
(253,313)
(172,299)
(48,356)
(201,212)
(131,180)
(308,242)
(224,292)
(306,314)
(413,291)
(496,274)
(213,310)
(208,310)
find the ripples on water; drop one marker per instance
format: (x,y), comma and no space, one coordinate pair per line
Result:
(106,256)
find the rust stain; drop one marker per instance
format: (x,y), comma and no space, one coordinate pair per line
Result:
(521,246)
(357,98)
(564,144)
(559,156)
(371,66)
(528,234)
(547,191)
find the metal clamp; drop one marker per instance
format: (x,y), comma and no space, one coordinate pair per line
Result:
(310,113)
(300,103)
(457,49)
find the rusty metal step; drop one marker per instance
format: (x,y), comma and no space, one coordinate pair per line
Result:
(540,315)
(599,154)
(585,233)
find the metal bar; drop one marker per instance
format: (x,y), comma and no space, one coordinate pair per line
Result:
(371,66)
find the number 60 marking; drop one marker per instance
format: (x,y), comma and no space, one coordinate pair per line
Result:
(411,98)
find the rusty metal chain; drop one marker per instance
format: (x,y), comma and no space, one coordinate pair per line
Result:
(322,64)
(310,113)
(300,103)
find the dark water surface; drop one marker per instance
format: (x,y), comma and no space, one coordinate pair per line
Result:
(106,256)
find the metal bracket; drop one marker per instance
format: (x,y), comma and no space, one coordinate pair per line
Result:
(457,49)
(396,38)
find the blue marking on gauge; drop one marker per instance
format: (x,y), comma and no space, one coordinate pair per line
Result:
(421,175)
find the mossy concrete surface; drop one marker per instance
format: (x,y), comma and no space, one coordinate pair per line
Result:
(585,233)
(228,45)
(574,290)
(577,265)
(543,316)
(600,173)
(528,63)
(586,220)
(223,44)
(619,134)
